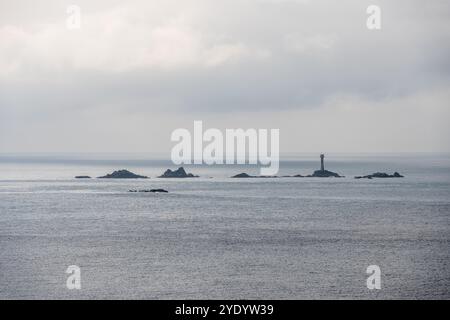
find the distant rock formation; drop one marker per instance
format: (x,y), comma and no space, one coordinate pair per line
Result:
(123,174)
(325,174)
(318,173)
(380,175)
(246,175)
(82,177)
(243,175)
(179,173)
(151,190)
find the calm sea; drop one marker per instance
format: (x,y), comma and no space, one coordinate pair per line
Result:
(219,238)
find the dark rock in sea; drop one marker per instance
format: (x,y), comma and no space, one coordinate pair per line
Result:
(243,175)
(246,175)
(325,174)
(318,173)
(123,174)
(380,175)
(179,173)
(82,177)
(151,190)
(294,176)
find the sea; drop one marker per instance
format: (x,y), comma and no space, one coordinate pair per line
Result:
(215,237)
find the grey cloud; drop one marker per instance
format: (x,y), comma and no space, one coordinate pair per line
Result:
(234,56)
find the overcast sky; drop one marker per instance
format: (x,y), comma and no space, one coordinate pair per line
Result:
(137,70)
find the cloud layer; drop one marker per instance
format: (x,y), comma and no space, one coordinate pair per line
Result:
(166,63)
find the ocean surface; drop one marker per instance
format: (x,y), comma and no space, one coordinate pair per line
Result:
(215,237)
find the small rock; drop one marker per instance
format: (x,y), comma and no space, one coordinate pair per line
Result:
(243,175)
(150,190)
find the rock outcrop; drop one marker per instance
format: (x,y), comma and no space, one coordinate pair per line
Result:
(246,175)
(243,175)
(380,175)
(325,174)
(179,173)
(123,174)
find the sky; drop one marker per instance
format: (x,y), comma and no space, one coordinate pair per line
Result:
(137,70)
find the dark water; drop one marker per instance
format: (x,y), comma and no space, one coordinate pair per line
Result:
(215,237)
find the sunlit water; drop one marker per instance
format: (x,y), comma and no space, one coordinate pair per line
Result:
(215,237)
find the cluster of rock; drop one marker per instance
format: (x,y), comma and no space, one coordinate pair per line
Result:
(179,173)
(125,174)
(322,173)
(316,174)
(380,175)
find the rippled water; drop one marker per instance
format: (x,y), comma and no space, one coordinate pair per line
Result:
(216,237)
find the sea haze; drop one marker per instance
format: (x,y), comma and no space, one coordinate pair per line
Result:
(215,237)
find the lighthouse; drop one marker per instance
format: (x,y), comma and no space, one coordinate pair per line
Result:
(322,173)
